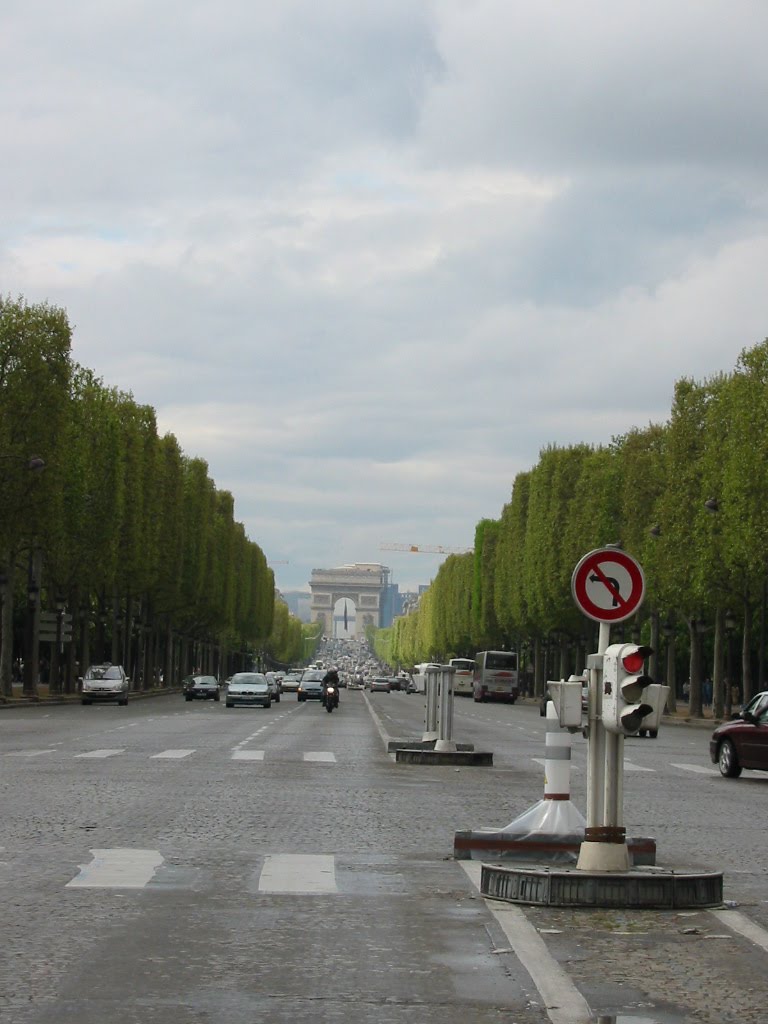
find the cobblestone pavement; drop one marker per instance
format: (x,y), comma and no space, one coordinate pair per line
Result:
(405,938)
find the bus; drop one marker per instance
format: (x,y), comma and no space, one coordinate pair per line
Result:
(419,677)
(496,676)
(463,676)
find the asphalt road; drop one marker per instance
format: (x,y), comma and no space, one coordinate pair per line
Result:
(185,863)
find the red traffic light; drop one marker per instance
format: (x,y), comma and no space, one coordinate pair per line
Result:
(634,659)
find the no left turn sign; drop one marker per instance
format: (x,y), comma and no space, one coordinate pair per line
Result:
(608,585)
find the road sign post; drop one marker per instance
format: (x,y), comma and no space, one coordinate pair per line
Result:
(608,586)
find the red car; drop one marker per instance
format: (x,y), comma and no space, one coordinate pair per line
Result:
(743,742)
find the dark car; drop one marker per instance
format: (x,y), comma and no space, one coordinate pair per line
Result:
(311,685)
(742,742)
(201,688)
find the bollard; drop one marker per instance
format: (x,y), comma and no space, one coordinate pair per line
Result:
(431,682)
(444,740)
(557,758)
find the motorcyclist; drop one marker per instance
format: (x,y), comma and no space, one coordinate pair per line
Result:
(331,678)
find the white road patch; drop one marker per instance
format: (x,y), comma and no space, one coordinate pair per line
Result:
(629,767)
(28,753)
(319,755)
(543,762)
(742,925)
(298,874)
(117,869)
(102,753)
(172,755)
(247,755)
(563,1002)
(699,769)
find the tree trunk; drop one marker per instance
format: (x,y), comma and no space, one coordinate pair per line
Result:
(718,675)
(694,707)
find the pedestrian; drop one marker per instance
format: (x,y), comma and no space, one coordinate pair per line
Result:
(686,689)
(706,692)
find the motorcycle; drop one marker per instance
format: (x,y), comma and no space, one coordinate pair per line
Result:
(331,699)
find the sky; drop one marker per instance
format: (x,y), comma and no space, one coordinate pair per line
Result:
(368,258)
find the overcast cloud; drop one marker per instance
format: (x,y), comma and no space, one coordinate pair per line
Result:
(368,258)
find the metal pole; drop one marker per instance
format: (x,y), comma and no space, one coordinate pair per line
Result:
(431,680)
(596,750)
(444,741)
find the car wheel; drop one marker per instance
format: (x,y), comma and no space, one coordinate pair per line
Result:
(653,733)
(217,697)
(84,701)
(123,703)
(642,732)
(229,705)
(277,700)
(187,698)
(727,761)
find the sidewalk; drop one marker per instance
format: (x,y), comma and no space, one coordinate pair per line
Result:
(45,698)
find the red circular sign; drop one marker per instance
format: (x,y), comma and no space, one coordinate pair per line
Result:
(608,585)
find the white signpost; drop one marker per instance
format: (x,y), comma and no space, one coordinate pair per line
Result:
(608,586)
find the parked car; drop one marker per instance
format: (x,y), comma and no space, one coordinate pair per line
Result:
(742,742)
(311,686)
(380,683)
(201,688)
(248,688)
(274,686)
(105,682)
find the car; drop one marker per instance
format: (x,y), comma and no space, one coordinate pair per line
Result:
(396,683)
(248,688)
(311,686)
(291,682)
(201,688)
(274,686)
(105,682)
(743,741)
(356,683)
(380,683)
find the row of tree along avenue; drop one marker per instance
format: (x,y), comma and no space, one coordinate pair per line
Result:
(688,498)
(114,545)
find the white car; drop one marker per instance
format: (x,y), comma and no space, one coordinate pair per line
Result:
(248,688)
(105,682)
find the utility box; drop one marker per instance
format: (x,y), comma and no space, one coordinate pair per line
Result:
(656,696)
(566,696)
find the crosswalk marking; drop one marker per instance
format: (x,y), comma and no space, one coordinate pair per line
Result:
(543,762)
(319,755)
(247,755)
(298,874)
(173,754)
(117,869)
(629,767)
(102,753)
(28,753)
(699,769)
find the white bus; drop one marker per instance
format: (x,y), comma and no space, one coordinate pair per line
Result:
(463,676)
(419,676)
(496,676)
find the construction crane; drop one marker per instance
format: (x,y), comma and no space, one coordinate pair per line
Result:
(425,549)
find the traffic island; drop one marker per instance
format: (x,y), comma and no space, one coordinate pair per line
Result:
(485,845)
(648,888)
(461,758)
(394,745)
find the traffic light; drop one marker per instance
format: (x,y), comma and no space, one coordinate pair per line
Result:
(625,703)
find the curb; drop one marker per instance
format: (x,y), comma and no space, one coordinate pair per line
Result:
(9,703)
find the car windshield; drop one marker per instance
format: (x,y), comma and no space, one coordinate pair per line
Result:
(248,679)
(103,672)
(313,677)
(206,681)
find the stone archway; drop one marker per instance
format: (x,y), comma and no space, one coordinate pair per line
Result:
(362,585)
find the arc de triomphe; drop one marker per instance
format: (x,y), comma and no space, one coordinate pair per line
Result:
(360,586)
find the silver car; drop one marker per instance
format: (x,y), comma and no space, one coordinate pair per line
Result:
(248,688)
(105,682)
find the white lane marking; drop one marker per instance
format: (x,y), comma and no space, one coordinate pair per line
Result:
(172,754)
(563,1002)
(742,925)
(247,755)
(117,869)
(319,755)
(629,767)
(543,762)
(695,768)
(102,753)
(29,753)
(298,874)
